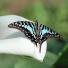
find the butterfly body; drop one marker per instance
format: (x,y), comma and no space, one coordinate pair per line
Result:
(37,33)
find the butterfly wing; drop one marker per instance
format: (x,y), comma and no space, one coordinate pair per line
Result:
(46,32)
(26,27)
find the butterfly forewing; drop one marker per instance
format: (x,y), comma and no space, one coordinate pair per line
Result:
(25,26)
(46,32)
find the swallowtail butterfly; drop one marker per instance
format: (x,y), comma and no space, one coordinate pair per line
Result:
(37,33)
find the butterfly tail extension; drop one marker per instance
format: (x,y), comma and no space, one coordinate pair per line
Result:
(40,48)
(40,44)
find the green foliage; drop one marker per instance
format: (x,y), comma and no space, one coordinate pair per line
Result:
(12,61)
(63,60)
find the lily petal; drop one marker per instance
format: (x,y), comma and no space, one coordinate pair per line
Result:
(17,43)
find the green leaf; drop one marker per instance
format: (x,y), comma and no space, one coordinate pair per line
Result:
(13,61)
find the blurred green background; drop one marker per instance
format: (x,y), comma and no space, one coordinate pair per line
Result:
(52,13)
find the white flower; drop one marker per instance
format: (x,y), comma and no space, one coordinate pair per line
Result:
(13,41)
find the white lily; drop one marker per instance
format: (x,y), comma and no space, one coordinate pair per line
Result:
(12,41)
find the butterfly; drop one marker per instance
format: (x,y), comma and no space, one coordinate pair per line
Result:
(37,33)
